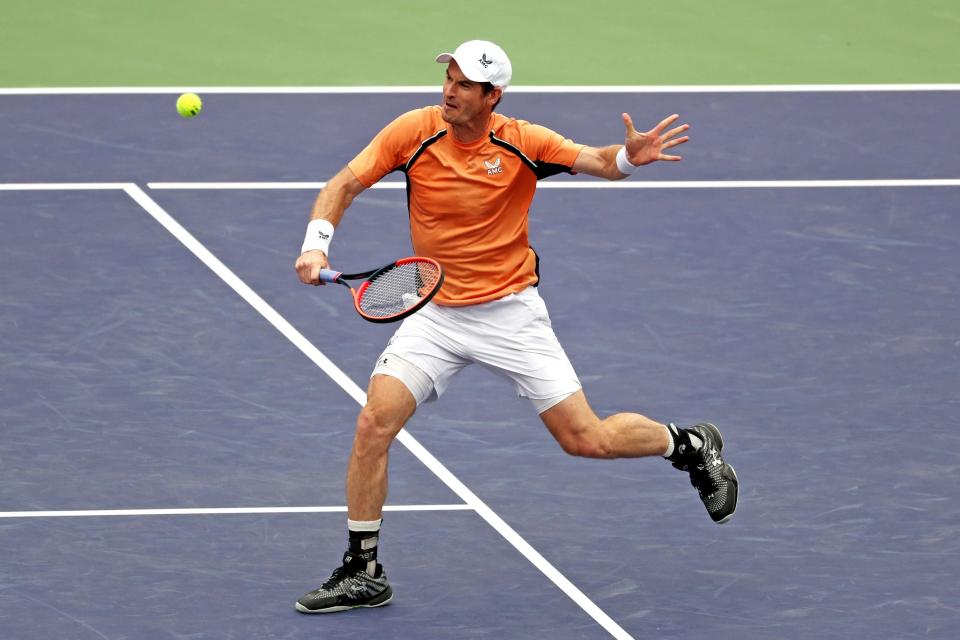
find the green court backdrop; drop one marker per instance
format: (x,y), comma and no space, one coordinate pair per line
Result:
(78,43)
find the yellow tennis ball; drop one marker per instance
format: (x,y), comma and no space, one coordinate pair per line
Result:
(189,105)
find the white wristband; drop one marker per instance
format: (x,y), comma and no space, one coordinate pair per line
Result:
(623,165)
(319,235)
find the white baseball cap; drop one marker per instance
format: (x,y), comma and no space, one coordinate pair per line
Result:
(481,61)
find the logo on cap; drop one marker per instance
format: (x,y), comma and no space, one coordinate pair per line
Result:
(483,60)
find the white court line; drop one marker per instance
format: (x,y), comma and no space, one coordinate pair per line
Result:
(258,185)
(91,513)
(752,184)
(595,184)
(62,186)
(725,88)
(428,459)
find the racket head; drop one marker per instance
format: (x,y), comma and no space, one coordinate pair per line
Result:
(397,290)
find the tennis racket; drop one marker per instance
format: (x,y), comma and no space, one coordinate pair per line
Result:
(393,291)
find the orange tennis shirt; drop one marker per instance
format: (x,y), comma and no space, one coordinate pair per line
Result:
(468,203)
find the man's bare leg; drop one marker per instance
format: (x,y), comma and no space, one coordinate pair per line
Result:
(362,581)
(389,406)
(624,435)
(696,450)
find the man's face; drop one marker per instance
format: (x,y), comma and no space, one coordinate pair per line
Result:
(463,99)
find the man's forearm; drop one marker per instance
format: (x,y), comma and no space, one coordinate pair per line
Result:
(336,196)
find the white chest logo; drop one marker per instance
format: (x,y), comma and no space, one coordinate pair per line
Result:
(493,167)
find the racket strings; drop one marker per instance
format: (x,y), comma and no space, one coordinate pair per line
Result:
(398,289)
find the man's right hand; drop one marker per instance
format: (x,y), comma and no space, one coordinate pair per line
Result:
(308,266)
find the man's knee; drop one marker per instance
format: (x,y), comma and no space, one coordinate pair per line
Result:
(376,428)
(577,428)
(389,406)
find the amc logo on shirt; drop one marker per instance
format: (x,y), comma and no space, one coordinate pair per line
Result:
(493,167)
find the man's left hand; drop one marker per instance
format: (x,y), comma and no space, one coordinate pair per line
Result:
(649,146)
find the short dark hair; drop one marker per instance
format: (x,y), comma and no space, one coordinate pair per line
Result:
(487,88)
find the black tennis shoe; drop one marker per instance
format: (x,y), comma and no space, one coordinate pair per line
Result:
(714,479)
(349,587)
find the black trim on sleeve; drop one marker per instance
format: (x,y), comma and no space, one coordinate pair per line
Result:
(405,168)
(540,169)
(547,169)
(423,147)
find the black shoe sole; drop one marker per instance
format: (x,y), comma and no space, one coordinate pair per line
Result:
(380,601)
(303,609)
(736,500)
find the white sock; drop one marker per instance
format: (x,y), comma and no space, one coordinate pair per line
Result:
(364,525)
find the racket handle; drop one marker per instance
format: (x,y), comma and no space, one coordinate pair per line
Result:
(329,275)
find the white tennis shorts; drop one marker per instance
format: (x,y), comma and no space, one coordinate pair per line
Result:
(511,336)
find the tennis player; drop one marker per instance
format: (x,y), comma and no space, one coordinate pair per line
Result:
(471,176)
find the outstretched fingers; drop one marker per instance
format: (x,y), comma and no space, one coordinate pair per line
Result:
(670,140)
(675,131)
(674,142)
(666,122)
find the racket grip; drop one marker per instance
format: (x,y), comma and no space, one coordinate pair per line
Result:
(329,275)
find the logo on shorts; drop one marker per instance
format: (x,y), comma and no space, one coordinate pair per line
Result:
(493,167)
